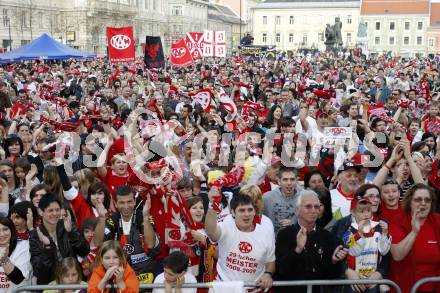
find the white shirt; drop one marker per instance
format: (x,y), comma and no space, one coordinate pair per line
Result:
(189,278)
(126,227)
(21,258)
(341,206)
(243,255)
(266,224)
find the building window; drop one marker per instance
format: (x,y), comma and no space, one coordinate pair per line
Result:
(291,19)
(378,26)
(304,40)
(348,38)
(431,42)
(419,40)
(154,4)
(6,18)
(349,19)
(6,44)
(420,25)
(40,19)
(391,41)
(377,40)
(321,37)
(407,25)
(147,4)
(406,40)
(25,42)
(278,38)
(177,10)
(264,38)
(290,38)
(277,19)
(23,19)
(392,26)
(264,19)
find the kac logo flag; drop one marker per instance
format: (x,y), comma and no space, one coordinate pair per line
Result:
(154,57)
(120,44)
(214,44)
(180,54)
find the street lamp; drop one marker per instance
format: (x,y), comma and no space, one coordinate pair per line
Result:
(8,20)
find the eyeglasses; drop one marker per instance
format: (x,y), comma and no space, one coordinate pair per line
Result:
(420,199)
(390,181)
(311,206)
(373,196)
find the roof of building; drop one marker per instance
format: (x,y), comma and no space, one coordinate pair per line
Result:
(222,13)
(292,4)
(434,19)
(395,7)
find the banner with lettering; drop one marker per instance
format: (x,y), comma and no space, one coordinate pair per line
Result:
(180,54)
(154,57)
(120,44)
(214,44)
(194,42)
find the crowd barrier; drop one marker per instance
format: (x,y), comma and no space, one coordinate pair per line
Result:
(308,283)
(421,282)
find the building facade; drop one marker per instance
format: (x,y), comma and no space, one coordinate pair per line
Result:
(297,24)
(82,23)
(222,18)
(433,34)
(243,9)
(399,26)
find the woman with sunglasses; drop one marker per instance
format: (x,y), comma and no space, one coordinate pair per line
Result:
(415,245)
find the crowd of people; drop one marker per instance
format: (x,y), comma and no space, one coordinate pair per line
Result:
(307,167)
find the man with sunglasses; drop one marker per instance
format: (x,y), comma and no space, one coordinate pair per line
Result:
(305,251)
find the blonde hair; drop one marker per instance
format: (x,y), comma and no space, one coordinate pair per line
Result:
(111,245)
(120,156)
(255,193)
(85,178)
(64,266)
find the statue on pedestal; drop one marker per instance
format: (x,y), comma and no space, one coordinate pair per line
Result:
(333,36)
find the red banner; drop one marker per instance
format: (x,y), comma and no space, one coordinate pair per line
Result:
(120,44)
(194,42)
(180,55)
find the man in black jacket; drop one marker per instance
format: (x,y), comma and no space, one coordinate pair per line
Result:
(55,239)
(305,251)
(133,228)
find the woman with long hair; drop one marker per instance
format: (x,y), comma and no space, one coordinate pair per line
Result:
(273,119)
(98,199)
(68,273)
(13,147)
(112,268)
(415,244)
(14,258)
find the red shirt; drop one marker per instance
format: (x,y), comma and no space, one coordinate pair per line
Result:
(423,260)
(18,108)
(113,181)
(391,216)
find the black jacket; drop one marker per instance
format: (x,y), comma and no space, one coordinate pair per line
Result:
(44,260)
(313,263)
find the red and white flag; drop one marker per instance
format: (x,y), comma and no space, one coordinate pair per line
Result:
(180,54)
(204,98)
(214,44)
(228,103)
(120,44)
(194,42)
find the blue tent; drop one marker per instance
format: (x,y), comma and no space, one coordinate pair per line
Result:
(43,48)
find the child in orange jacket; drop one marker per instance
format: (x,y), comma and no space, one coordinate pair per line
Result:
(112,269)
